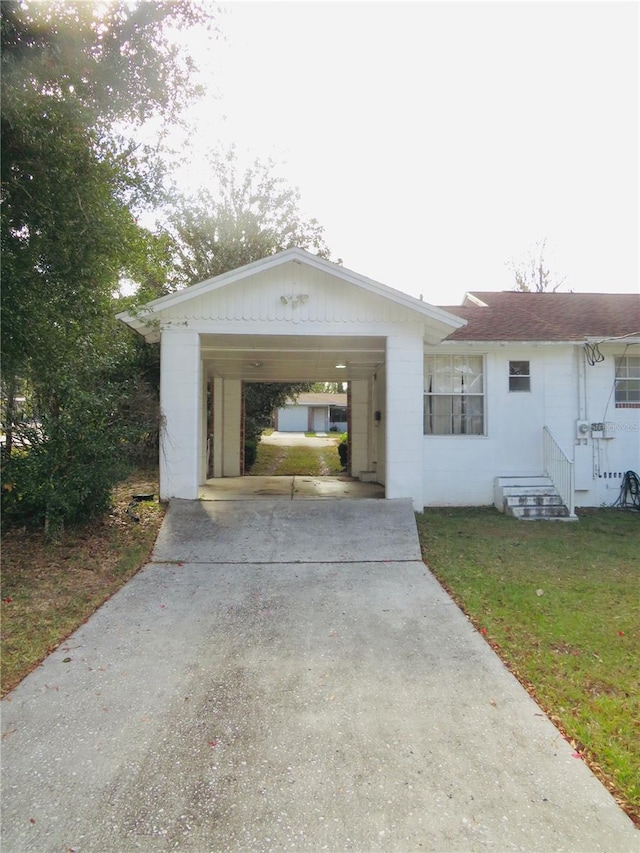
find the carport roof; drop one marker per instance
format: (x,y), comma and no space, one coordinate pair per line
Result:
(441,322)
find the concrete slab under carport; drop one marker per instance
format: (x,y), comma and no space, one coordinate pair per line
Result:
(261,706)
(298,487)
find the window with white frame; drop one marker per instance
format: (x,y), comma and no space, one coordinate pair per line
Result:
(454,395)
(519,376)
(627,381)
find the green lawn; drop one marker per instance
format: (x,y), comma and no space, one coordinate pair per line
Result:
(561,605)
(275,461)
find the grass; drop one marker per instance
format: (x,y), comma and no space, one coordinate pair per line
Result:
(560,603)
(49,587)
(276,461)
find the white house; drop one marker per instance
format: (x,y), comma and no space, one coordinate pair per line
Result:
(534,384)
(313,411)
(443,401)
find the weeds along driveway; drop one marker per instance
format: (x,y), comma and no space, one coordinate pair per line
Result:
(299,699)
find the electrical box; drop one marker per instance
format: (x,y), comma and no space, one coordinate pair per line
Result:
(597,430)
(582,429)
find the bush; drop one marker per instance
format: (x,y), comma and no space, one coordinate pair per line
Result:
(250,453)
(343,449)
(64,476)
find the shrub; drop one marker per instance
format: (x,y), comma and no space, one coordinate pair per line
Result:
(65,474)
(250,452)
(343,449)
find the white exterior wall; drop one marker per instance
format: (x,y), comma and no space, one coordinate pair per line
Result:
(218,409)
(359,437)
(227,415)
(607,459)
(181,455)
(293,419)
(404,408)
(379,437)
(459,470)
(231,428)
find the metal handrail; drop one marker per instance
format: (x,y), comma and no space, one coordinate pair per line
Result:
(559,469)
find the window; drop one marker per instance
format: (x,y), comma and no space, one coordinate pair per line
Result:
(628,381)
(338,414)
(519,376)
(453,395)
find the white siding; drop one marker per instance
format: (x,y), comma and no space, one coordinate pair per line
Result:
(328,300)
(293,419)
(181,396)
(608,458)
(459,470)
(403,412)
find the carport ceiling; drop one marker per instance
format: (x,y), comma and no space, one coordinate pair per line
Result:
(295,358)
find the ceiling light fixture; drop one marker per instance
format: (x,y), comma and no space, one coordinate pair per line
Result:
(340,366)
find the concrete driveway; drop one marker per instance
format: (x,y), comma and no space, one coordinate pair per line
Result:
(301,439)
(289,676)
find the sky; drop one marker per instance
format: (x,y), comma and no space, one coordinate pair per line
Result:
(437,142)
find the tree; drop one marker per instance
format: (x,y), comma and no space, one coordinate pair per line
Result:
(533,274)
(73,75)
(249,216)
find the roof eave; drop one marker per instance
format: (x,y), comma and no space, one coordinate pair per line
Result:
(450,321)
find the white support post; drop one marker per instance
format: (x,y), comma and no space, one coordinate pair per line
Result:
(404,418)
(360,426)
(231,427)
(181,449)
(218,411)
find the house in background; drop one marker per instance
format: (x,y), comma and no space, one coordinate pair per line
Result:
(530,401)
(313,412)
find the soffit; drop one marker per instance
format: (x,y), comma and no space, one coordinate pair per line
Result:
(285,358)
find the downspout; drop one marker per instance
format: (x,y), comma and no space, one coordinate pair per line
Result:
(582,386)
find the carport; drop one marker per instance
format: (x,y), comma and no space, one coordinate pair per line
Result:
(286,318)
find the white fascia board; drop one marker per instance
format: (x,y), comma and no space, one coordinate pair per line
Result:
(501,344)
(475,300)
(379,289)
(633,338)
(538,343)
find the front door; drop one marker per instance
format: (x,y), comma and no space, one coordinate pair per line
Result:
(319,420)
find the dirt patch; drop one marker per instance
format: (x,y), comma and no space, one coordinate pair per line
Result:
(50,586)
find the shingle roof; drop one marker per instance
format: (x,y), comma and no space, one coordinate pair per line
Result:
(318,398)
(517,316)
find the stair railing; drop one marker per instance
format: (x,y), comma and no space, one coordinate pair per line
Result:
(559,469)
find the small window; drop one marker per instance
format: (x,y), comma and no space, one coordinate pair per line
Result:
(628,381)
(519,376)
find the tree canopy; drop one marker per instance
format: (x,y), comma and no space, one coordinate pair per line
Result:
(245,216)
(533,275)
(74,75)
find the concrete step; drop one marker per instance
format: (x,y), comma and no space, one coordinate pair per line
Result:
(522,480)
(533,500)
(529,499)
(540,513)
(534,491)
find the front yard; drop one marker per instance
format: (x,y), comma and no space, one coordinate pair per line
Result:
(560,603)
(283,461)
